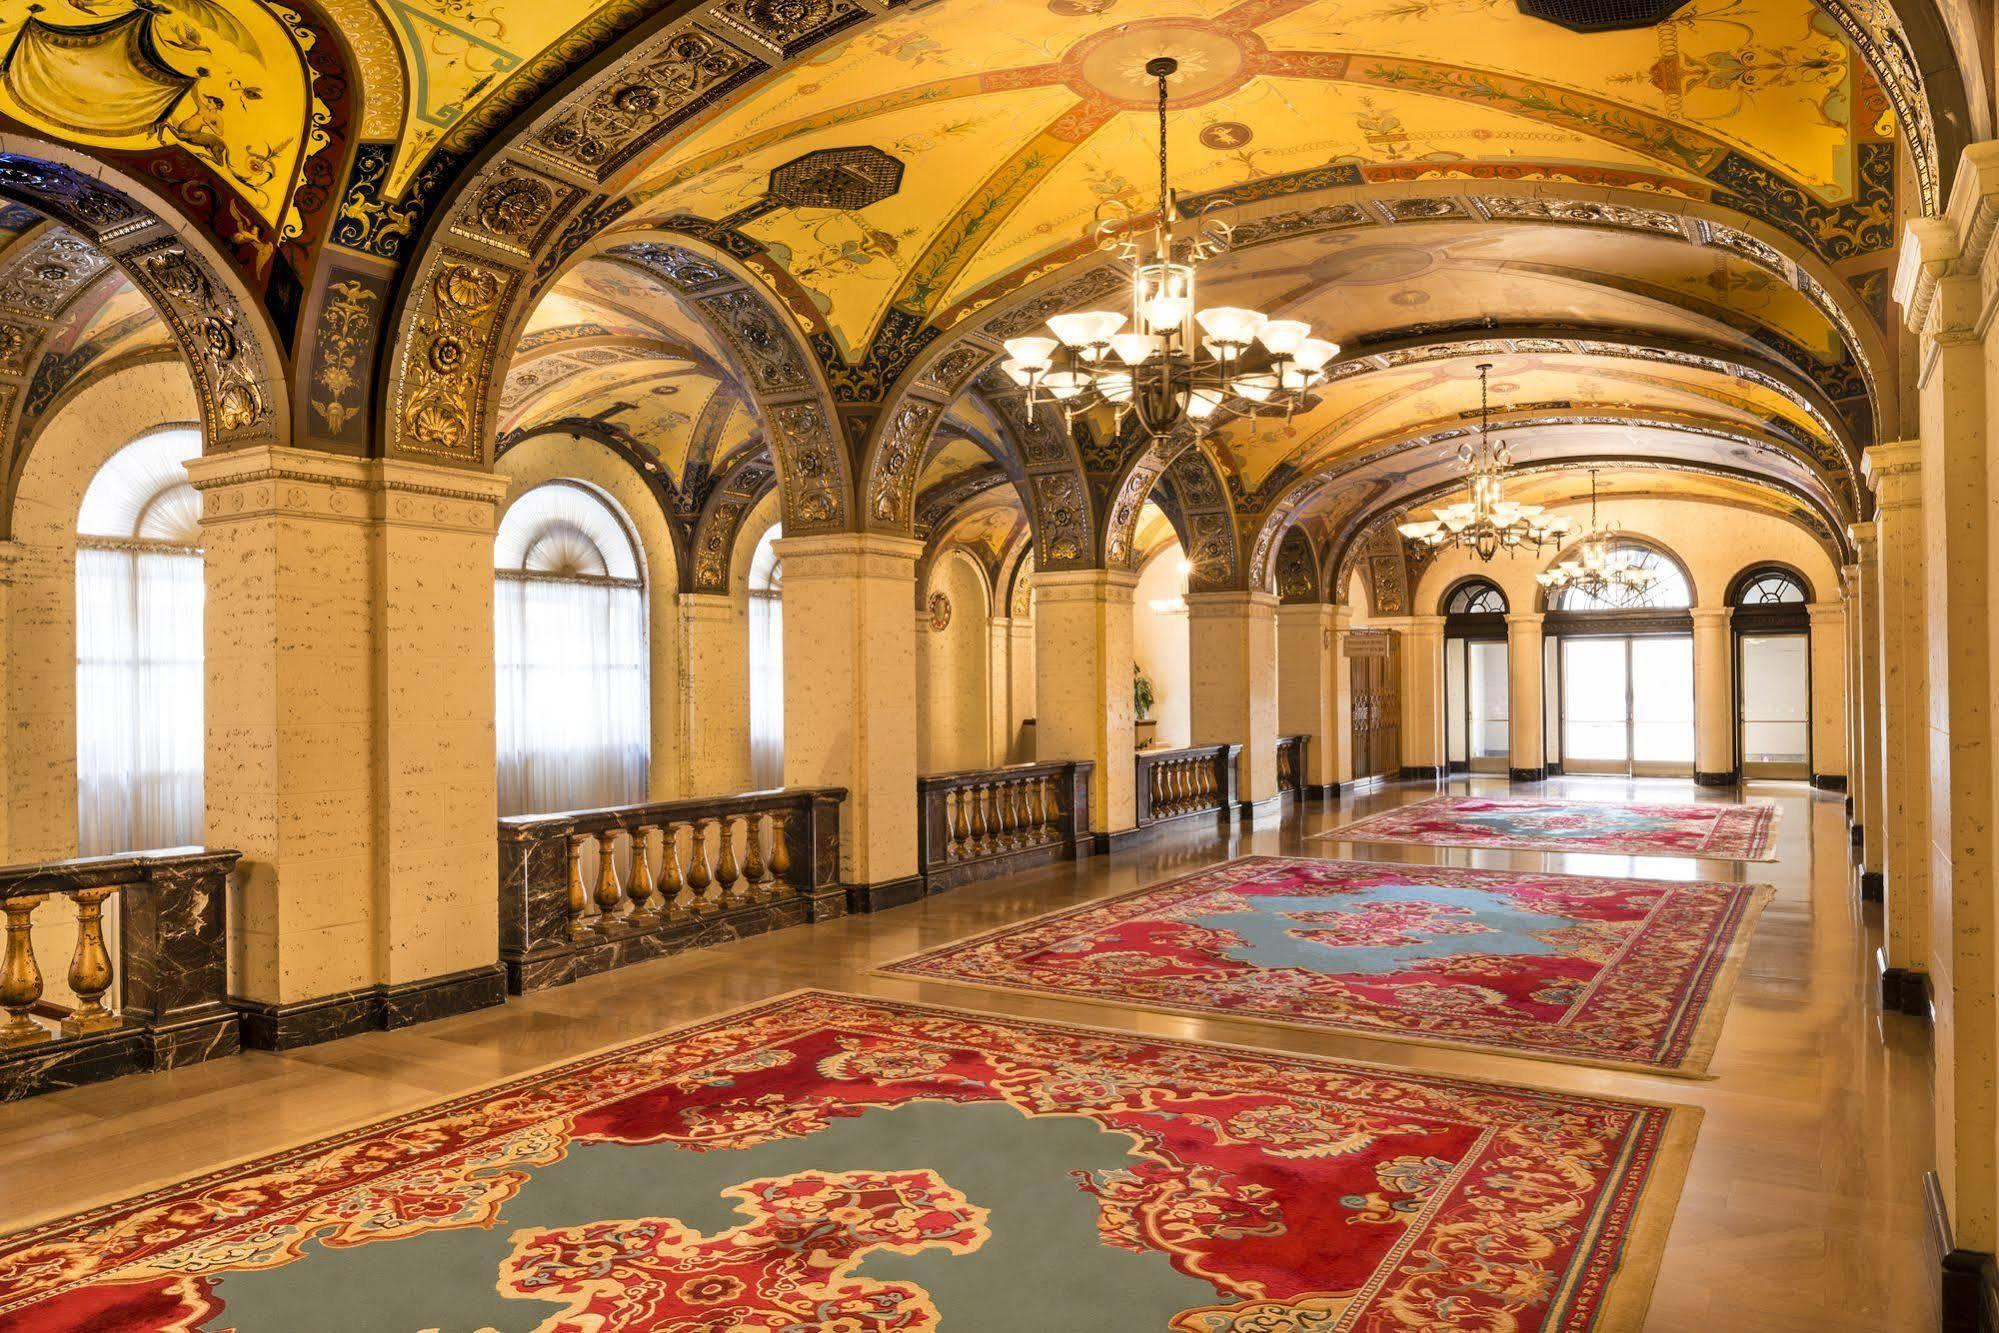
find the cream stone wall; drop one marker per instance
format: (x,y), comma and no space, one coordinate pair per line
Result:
(577,458)
(956,685)
(1160,646)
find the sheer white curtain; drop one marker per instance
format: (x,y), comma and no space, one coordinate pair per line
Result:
(139,678)
(767,664)
(572,720)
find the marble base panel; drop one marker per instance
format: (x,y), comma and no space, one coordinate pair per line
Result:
(284,1027)
(1905,991)
(1967,1280)
(1527,774)
(71,1062)
(1727,778)
(1872,889)
(881,897)
(560,964)
(1829,781)
(940,879)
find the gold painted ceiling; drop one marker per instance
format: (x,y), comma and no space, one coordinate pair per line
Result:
(1012,133)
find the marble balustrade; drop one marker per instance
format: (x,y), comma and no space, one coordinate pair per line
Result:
(1193,780)
(162,1002)
(984,822)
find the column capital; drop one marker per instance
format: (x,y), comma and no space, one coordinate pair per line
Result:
(1826,613)
(1712,616)
(1082,585)
(1221,603)
(705,605)
(1957,244)
(303,483)
(1315,612)
(848,555)
(1863,536)
(1525,619)
(1896,458)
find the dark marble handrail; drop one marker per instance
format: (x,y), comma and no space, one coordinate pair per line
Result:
(583,891)
(1192,780)
(977,823)
(167,988)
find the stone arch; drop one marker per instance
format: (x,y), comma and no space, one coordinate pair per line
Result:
(1298,577)
(728,505)
(628,452)
(230,347)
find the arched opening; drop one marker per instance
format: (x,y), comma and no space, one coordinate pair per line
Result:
(1160,648)
(139,598)
(571,720)
(1624,681)
(766,661)
(1773,672)
(1477,706)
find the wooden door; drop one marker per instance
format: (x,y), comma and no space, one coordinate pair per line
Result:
(1377,703)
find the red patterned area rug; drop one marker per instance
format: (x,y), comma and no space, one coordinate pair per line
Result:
(829,1162)
(1625,973)
(1713,831)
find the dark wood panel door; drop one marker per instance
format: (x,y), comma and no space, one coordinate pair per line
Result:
(1376,661)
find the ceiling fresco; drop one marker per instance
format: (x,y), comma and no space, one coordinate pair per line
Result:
(1011,138)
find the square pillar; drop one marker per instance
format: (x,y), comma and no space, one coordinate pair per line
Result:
(1895,471)
(1828,687)
(999,690)
(1307,648)
(714,695)
(1869,805)
(1082,685)
(1525,729)
(1020,691)
(1340,751)
(1232,685)
(350,701)
(1423,754)
(1714,698)
(849,691)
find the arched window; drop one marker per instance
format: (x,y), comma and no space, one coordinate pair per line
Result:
(767,663)
(139,650)
(570,650)
(1668,591)
(1770,586)
(1476,598)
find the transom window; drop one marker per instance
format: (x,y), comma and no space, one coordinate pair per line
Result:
(572,720)
(1771,587)
(1476,599)
(1669,591)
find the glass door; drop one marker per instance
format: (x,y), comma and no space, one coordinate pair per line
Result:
(1628,705)
(1488,722)
(1774,707)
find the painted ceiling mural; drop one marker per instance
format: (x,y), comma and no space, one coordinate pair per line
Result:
(1010,138)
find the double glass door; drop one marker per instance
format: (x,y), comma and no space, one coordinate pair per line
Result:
(1627,705)
(1478,723)
(1774,713)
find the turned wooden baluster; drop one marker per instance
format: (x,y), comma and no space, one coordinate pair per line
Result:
(728,875)
(609,892)
(673,886)
(1205,777)
(755,875)
(579,899)
(89,967)
(638,887)
(1051,809)
(699,877)
(1026,834)
(780,855)
(1175,786)
(1009,818)
(980,842)
(20,978)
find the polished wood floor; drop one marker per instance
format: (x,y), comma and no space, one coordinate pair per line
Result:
(1802,1210)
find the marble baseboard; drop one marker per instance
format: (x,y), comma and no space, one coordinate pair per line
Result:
(570,960)
(881,897)
(1967,1280)
(1527,774)
(1103,844)
(1727,778)
(1872,887)
(285,1027)
(1829,781)
(1421,772)
(72,1062)
(1269,807)
(1905,991)
(953,874)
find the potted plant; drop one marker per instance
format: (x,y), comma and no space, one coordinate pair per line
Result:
(1141,693)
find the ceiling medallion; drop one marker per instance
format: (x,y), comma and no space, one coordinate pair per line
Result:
(1600,571)
(1168,362)
(1487,522)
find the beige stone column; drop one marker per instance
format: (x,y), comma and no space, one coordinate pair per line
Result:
(1307,648)
(849,683)
(920,702)
(1082,684)
(37,709)
(999,689)
(1526,735)
(1341,748)
(1714,698)
(713,715)
(1423,696)
(350,700)
(1828,687)
(1849,600)
(1870,804)
(1232,684)
(1020,690)
(1895,471)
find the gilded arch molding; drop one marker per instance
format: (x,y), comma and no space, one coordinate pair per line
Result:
(228,344)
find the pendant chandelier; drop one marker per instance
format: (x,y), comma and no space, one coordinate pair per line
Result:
(1167,361)
(1486,522)
(1600,570)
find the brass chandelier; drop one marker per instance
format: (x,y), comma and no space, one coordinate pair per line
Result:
(1600,570)
(1169,362)
(1486,522)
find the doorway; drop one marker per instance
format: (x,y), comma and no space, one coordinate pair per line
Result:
(1478,731)
(1774,716)
(1627,704)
